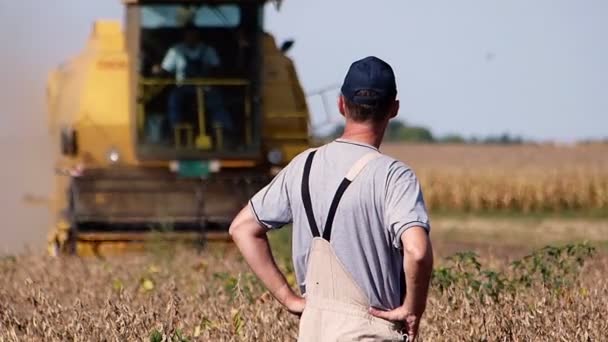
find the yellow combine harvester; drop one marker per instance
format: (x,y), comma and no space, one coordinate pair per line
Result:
(149,147)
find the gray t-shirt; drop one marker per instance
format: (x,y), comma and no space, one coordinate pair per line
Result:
(380,204)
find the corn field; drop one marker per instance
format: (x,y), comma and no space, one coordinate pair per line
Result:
(521,178)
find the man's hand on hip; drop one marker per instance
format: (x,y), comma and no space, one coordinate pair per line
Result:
(296,305)
(400,314)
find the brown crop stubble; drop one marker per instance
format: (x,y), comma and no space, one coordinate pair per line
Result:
(126,299)
(193,296)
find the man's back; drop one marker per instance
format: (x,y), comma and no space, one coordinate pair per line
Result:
(381,202)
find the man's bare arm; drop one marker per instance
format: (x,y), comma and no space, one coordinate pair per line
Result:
(250,238)
(418,266)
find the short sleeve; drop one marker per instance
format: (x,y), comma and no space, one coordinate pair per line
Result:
(271,205)
(211,57)
(405,206)
(170,61)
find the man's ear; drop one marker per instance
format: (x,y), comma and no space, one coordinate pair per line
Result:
(394,109)
(342,105)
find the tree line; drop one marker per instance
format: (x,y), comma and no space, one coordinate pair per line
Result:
(400,131)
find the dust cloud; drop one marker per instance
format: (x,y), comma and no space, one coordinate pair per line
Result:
(26,150)
(31,49)
(26,183)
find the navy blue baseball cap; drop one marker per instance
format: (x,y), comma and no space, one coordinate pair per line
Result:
(373,75)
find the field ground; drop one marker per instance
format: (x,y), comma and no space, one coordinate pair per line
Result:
(513,236)
(178,294)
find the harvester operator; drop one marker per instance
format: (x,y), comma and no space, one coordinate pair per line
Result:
(189,59)
(361,248)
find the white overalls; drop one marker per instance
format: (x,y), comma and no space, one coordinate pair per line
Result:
(336,307)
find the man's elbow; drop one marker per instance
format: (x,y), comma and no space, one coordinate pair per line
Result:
(236,227)
(421,252)
(420,256)
(234,231)
(244,225)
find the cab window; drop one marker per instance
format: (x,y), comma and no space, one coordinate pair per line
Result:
(157,16)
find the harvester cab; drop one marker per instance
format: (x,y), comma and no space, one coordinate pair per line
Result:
(167,126)
(199,82)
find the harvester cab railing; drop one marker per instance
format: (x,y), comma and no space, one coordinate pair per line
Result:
(200,132)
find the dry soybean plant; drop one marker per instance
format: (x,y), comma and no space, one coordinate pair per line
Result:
(556,293)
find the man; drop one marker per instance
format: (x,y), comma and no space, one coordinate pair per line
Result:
(192,59)
(359,225)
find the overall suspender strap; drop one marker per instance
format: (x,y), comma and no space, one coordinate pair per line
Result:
(361,164)
(334,207)
(306,195)
(348,179)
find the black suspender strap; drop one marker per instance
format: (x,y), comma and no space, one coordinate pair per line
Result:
(334,207)
(350,176)
(306,195)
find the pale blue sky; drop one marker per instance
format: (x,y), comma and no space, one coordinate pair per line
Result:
(537,68)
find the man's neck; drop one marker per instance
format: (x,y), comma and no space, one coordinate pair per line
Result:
(366,133)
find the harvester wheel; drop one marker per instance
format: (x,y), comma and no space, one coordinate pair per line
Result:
(71,243)
(69,144)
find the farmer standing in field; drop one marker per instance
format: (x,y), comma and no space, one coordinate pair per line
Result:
(360,226)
